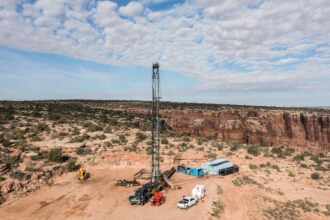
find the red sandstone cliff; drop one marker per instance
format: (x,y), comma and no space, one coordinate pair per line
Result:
(307,131)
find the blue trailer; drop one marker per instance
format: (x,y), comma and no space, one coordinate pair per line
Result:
(184,169)
(219,167)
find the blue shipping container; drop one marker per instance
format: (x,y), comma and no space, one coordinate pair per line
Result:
(184,169)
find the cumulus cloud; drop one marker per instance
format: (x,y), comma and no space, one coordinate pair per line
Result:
(227,44)
(132,9)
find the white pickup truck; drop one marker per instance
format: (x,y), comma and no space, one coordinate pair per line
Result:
(186,202)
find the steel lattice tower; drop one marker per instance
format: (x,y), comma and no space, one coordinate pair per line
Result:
(155,125)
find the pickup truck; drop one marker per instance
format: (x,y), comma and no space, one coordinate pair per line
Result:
(187,202)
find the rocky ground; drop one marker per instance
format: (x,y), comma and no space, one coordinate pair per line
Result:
(42,145)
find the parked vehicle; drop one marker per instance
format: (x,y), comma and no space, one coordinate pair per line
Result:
(187,202)
(143,194)
(198,191)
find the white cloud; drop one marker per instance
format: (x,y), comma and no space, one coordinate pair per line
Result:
(287,60)
(194,38)
(132,9)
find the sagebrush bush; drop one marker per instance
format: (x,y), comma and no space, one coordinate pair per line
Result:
(254,150)
(315,176)
(55,155)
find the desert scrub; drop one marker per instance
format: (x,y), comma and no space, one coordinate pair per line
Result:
(275,167)
(282,210)
(108,129)
(244,181)
(11,161)
(303,165)
(55,155)
(305,205)
(31,168)
(315,176)
(42,127)
(291,174)
(83,150)
(164,141)
(218,206)
(122,138)
(234,147)
(101,137)
(17,175)
(140,137)
(80,138)
(170,153)
(71,165)
(200,149)
(115,141)
(253,166)
(149,150)
(219,190)
(211,156)
(254,150)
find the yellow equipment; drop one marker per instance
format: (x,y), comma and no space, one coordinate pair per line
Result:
(82,175)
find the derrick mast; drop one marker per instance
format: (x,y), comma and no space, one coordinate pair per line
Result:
(155,125)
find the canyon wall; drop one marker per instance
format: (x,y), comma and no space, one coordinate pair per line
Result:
(298,129)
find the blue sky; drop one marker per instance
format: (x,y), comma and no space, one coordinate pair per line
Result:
(248,52)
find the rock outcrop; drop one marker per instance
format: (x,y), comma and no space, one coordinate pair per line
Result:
(299,129)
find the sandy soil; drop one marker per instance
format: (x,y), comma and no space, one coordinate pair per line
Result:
(99,198)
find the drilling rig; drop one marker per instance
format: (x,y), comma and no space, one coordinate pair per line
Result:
(158,180)
(155,125)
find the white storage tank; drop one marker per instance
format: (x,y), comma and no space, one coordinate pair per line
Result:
(198,191)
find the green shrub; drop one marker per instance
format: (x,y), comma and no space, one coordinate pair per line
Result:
(219,146)
(2,178)
(122,138)
(17,175)
(291,174)
(83,150)
(101,137)
(303,165)
(276,167)
(186,139)
(42,127)
(71,165)
(75,131)
(81,138)
(315,176)
(164,141)
(170,153)
(234,147)
(253,166)
(254,150)
(299,157)
(6,143)
(200,149)
(115,141)
(55,155)
(11,161)
(149,150)
(35,138)
(140,137)
(211,156)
